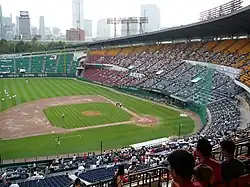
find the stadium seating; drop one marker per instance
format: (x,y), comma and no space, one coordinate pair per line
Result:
(233,53)
(225,118)
(100,174)
(55,181)
(96,175)
(23,63)
(163,67)
(50,64)
(38,64)
(45,63)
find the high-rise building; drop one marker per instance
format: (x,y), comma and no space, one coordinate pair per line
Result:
(75,35)
(34,31)
(41,26)
(152,12)
(24,25)
(17,33)
(103,29)
(1,24)
(8,27)
(77,14)
(88,27)
(7,20)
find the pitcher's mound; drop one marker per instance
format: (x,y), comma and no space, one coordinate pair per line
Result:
(146,121)
(91,113)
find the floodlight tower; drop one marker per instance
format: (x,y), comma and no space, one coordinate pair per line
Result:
(127,21)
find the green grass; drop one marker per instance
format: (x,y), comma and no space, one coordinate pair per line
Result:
(112,137)
(74,118)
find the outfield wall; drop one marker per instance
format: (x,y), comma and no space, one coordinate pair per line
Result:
(36,75)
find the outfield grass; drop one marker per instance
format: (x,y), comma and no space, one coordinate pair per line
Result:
(112,137)
(74,117)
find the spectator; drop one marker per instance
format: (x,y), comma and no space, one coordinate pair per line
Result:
(77,183)
(204,150)
(247,155)
(132,168)
(119,176)
(203,174)
(230,168)
(182,168)
(74,157)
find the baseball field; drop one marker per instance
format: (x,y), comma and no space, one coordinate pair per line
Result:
(35,111)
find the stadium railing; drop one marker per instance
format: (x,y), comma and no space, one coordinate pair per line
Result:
(150,177)
(161,176)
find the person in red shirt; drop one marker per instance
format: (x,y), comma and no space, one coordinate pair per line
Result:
(204,150)
(85,156)
(182,168)
(203,174)
(119,175)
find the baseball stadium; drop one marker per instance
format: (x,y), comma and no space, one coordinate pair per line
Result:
(81,112)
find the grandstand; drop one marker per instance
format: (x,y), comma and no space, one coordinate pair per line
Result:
(208,76)
(45,63)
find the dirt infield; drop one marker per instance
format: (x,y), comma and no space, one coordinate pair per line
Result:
(91,113)
(28,119)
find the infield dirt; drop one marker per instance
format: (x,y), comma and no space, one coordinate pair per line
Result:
(28,119)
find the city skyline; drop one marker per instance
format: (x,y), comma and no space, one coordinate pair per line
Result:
(59,13)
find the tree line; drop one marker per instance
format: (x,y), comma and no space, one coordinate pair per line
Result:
(10,47)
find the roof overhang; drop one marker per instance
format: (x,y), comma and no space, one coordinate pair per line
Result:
(237,23)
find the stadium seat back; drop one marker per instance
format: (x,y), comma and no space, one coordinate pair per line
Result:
(243,181)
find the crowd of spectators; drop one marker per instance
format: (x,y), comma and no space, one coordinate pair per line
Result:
(166,70)
(198,145)
(188,171)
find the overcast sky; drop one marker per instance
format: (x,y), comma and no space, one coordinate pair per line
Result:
(58,12)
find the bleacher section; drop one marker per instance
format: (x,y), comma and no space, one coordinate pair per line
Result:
(234,53)
(45,63)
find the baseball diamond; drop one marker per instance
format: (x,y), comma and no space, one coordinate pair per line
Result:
(30,122)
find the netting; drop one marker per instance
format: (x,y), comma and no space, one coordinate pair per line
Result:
(199,100)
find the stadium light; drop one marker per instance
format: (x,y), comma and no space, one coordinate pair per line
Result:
(130,20)
(180,125)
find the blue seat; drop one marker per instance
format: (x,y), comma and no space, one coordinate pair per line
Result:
(54,181)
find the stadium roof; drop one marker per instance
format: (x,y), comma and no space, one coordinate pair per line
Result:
(233,24)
